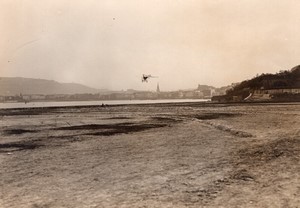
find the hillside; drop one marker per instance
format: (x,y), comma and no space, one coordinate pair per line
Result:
(289,79)
(17,85)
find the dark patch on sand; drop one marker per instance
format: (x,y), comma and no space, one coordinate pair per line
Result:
(18,131)
(210,116)
(76,135)
(126,129)
(26,111)
(111,129)
(19,146)
(93,126)
(119,118)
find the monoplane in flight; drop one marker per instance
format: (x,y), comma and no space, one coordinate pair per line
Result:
(146,77)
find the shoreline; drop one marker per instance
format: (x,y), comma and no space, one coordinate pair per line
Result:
(96,103)
(202,104)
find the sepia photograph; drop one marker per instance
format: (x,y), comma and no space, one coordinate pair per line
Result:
(149,104)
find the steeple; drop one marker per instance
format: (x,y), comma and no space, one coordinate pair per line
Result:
(157,88)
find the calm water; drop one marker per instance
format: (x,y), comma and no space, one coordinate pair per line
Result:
(85,103)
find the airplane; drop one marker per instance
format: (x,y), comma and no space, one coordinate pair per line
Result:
(146,77)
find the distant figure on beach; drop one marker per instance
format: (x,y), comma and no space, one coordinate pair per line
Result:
(104,105)
(146,77)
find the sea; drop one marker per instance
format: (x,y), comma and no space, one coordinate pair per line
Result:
(91,103)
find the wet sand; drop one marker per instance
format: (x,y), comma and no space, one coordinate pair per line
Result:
(156,155)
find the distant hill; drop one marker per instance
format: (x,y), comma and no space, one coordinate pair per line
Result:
(17,85)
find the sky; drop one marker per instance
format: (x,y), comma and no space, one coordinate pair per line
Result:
(109,44)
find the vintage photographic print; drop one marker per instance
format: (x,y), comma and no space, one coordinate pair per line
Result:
(149,103)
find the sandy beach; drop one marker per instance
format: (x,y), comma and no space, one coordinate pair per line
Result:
(156,155)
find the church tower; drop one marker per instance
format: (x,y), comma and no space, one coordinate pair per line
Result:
(157,88)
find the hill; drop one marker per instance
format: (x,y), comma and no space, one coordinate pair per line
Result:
(17,85)
(282,82)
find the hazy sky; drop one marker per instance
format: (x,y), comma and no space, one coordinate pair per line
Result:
(110,44)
